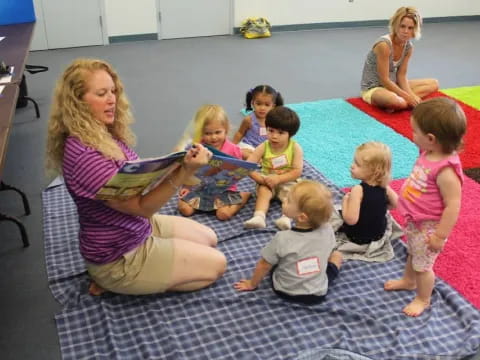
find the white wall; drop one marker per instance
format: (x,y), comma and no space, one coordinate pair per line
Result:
(134,17)
(39,39)
(131,17)
(287,12)
(127,17)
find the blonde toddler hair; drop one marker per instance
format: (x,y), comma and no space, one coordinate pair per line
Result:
(204,115)
(377,157)
(314,199)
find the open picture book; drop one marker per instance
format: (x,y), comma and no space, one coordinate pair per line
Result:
(210,183)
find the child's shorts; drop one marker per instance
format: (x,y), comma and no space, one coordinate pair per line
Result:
(367,94)
(147,269)
(423,258)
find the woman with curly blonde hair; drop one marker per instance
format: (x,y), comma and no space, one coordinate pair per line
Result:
(384,78)
(127,247)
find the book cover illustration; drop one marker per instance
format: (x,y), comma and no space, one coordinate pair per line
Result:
(213,185)
(139,176)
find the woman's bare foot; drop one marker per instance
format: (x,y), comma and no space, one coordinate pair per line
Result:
(416,307)
(95,290)
(400,284)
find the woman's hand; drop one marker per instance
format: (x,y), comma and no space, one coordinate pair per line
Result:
(196,157)
(418,99)
(413,100)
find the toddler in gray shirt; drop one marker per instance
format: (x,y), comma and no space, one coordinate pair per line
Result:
(301,260)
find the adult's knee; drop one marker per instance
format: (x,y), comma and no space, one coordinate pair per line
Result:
(219,264)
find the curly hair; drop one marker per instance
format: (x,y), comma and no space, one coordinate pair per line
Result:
(70,115)
(377,157)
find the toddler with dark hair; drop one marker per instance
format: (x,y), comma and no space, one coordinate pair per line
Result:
(281,159)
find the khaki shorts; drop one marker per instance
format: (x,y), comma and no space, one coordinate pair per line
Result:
(367,94)
(146,269)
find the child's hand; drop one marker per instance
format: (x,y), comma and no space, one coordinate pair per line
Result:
(196,157)
(244,285)
(183,191)
(435,243)
(257,177)
(272,180)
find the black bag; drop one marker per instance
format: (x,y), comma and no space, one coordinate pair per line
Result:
(23,93)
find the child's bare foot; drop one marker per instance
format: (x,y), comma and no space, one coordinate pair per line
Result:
(416,307)
(400,284)
(95,290)
(185,209)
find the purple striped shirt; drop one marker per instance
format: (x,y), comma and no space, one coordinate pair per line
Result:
(105,234)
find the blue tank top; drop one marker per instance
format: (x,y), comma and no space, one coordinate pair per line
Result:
(252,136)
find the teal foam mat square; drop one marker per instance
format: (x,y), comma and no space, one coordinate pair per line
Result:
(331,130)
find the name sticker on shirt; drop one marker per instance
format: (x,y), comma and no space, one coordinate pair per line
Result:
(263,131)
(279,161)
(308,266)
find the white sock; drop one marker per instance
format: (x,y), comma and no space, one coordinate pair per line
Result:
(283,223)
(257,221)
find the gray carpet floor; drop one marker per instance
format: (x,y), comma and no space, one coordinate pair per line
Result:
(166,82)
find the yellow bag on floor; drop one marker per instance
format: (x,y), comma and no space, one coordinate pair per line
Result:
(255,27)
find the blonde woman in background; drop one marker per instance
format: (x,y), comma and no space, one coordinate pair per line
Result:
(384,78)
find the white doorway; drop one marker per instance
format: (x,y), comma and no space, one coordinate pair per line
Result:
(73,23)
(192,18)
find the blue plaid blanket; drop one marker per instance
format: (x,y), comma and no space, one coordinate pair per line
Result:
(220,323)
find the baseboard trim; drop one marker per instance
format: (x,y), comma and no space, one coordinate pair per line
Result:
(365,23)
(136,37)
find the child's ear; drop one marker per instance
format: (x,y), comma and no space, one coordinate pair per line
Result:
(302,217)
(431,138)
